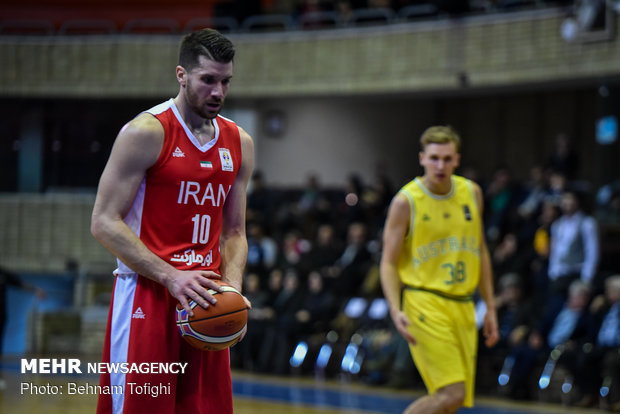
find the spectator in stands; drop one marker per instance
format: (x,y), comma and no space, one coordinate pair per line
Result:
(344,8)
(8,278)
(347,273)
(312,208)
(353,208)
(276,346)
(506,255)
(574,252)
(608,203)
(293,247)
(261,200)
(568,325)
(324,251)
(281,7)
(564,159)
(541,242)
(558,184)
(471,173)
(515,318)
(274,284)
(239,9)
(600,364)
(266,314)
(499,199)
(515,315)
(376,200)
(260,315)
(535,191)
(388,360)
(454,7)
(315,311)
(308,7)
(538,254)
(262,249)
(310,195)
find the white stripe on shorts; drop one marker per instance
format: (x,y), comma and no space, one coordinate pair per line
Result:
(124,292)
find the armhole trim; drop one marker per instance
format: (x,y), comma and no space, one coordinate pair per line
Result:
(412,212)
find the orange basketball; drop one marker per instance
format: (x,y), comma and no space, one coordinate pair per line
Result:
(217,327)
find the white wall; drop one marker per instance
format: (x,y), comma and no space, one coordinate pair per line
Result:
(336,137)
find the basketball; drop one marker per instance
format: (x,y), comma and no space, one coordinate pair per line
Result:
(217,327)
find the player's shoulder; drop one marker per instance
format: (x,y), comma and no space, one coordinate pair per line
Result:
(146,121)
(410,187)
(244,136)
(460,180)
(143,137)
(145,125)
(401,203)
(468,183)
(471,187)
(414,191)
(477,189)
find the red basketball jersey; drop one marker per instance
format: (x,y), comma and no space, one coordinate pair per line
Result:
(178,210)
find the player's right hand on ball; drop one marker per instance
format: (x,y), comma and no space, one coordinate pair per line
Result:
(186,285)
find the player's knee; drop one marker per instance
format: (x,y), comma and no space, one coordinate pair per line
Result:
(452,398)
(454,403)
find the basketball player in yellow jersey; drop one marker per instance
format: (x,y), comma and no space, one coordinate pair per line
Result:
(434,258)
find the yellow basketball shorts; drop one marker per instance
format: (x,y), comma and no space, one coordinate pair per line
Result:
(446,340)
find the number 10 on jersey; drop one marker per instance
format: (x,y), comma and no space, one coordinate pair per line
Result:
(202,226)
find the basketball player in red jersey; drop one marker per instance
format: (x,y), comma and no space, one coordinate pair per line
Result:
(171,206)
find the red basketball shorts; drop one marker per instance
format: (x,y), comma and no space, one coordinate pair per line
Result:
(142,333)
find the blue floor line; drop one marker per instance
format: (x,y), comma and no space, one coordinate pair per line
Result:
(350,400)
(319,397)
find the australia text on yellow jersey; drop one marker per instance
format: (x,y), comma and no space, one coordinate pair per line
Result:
(442,250)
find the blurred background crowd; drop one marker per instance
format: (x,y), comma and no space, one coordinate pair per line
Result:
(313,280)
(346,11)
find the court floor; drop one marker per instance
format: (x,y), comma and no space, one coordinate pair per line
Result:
(253,394)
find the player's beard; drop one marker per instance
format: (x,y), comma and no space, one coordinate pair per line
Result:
(199,107)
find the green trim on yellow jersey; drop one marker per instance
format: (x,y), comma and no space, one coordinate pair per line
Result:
(463,298)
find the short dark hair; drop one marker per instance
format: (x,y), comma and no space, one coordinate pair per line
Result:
(206,42)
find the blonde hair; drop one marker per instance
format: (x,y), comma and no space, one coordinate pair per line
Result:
(440,135)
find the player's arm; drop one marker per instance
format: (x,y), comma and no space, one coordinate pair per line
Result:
(233,240)
(137,148)
(394,233)
(485,286)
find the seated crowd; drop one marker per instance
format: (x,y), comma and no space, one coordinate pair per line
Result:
(344,8)
(313,280)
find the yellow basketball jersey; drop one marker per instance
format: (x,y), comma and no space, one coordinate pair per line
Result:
(441,252)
